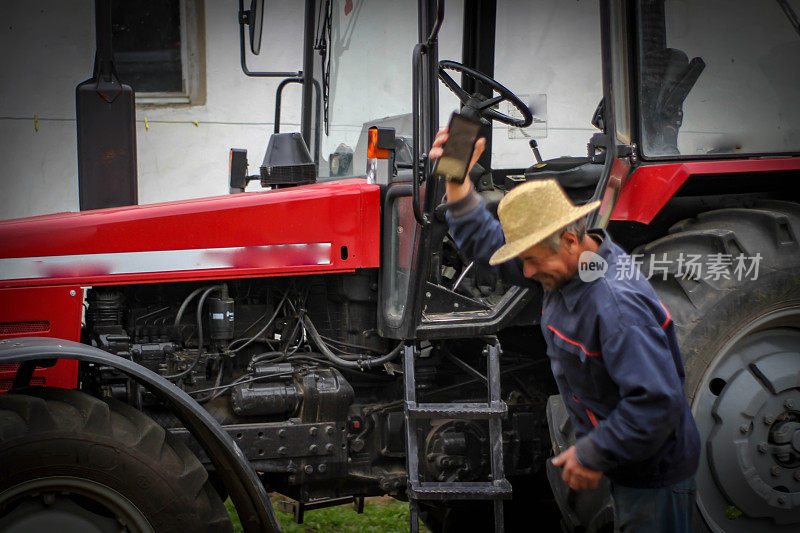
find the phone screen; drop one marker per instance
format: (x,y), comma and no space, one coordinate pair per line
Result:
(457,150)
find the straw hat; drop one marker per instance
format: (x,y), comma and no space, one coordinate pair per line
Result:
(533,211)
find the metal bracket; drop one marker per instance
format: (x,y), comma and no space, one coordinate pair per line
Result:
(298,508)
(440,300)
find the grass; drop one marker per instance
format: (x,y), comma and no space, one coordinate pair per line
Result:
(380,515)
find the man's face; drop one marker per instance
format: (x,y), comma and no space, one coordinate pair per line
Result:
(552,269)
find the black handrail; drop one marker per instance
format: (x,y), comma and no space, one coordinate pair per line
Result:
(318,106)
(278,96)
(439,20)
(422,219)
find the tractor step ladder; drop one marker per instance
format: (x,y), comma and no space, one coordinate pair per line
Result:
(498,488)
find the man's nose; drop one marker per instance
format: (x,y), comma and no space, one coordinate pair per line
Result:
(528,270)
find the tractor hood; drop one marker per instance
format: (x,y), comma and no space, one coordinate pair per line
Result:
(326,227)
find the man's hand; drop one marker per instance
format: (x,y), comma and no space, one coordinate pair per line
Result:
(456,191)
(577,476)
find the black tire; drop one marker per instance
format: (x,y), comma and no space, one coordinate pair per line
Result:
(54,439)
(727,328)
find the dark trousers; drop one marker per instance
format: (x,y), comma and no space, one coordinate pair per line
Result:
(663,510)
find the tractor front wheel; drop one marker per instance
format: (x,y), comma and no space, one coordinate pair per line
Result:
(70,462)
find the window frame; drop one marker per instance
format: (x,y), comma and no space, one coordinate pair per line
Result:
(192,18)
(638,128)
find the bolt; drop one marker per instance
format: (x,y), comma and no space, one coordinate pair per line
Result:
(762,447)
(768,420)
(427,295)
(309,469)
(455,305)
(329,430)
(789,404)
(49,498)
(313,448)
(72,293)
(282,433)
(292,478)
(797,475)
(282,450)
(322,468)
(781,500)
(312,431)
(744,428)
(775,471)
(329,448)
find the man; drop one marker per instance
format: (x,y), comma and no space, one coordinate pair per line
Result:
(611,344)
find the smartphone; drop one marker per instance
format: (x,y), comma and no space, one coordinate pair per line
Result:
(461,137)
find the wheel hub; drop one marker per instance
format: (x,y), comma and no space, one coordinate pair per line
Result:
(750,453)
(784,435)
(68,505)
(748,412)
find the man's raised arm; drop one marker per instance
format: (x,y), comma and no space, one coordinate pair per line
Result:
(476,233)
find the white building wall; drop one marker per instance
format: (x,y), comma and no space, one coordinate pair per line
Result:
(48,49)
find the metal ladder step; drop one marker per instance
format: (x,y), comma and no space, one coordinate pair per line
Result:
(492,410)
(471,411)
(475,490)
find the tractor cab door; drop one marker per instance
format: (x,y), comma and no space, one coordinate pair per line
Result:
(409,200)
(613,146)
(423,296)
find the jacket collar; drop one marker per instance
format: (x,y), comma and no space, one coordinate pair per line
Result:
(576,287)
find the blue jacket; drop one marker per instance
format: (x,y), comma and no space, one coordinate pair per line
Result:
(615,358)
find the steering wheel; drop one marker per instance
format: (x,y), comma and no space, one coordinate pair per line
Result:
(483,107)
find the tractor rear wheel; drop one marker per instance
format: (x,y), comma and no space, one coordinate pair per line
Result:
(740,341)
(70,462)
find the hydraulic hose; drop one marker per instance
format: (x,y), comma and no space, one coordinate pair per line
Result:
(208,291)
(360,364)
(267,325)
(187,301)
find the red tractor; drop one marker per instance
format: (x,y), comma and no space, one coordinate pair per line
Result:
(324,339)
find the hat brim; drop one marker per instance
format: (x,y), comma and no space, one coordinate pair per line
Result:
(511,250)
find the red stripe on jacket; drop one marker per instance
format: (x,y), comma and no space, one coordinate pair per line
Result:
(576,343)
(669,317)
(589,412)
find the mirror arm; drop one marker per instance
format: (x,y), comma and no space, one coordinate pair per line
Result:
(244,18)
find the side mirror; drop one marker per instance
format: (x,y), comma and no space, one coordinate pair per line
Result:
(237,170)
(255,20)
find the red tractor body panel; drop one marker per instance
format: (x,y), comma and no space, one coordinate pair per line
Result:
(320,228)
(42,312)
(44,261)
(650,187)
